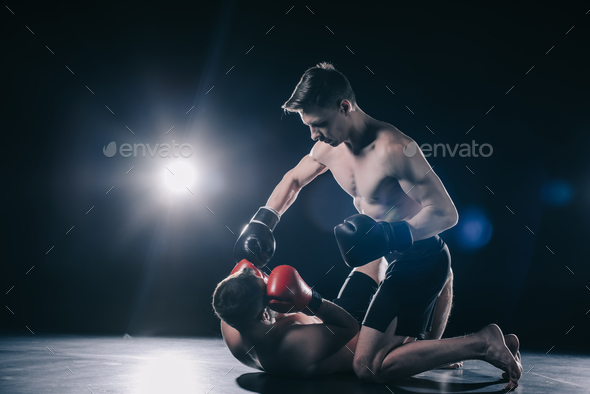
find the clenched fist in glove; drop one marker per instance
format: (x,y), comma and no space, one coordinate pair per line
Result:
(256,243)
(362,239)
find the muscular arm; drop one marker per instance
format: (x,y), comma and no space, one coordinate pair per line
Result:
(233,341)
(293,181)
(303,347)
(422,185)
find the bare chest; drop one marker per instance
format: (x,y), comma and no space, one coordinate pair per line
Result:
(361,177)
(364,178)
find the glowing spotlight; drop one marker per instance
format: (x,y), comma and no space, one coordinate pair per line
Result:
(178,176)
(474,229)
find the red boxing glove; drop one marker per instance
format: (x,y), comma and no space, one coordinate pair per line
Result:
(246,264)
(289,293)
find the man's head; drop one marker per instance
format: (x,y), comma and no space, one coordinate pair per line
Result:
(324,99)
(240,300)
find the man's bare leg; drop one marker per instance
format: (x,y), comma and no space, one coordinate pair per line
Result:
(376,361)
(442,310)
(441,317)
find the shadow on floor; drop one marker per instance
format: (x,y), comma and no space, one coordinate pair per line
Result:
(264,383)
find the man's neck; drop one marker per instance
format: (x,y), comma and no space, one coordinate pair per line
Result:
(362,131)
(257,331)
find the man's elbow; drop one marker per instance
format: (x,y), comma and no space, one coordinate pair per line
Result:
(452,217)
(447,217)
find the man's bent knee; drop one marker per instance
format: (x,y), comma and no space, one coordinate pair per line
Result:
(366,371)
(369,371)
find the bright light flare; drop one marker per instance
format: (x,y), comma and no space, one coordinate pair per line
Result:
(179,176)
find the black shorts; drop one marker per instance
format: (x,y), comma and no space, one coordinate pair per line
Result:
(410,289)
(356,294)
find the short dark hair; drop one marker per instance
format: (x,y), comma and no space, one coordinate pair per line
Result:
(237,299)
(321,86)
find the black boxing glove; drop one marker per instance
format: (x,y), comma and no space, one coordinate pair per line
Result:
(256,242)
(362,239)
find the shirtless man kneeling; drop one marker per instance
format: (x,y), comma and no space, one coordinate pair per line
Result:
(393,242)
(279,325)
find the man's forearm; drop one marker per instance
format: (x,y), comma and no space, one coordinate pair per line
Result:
(331,313)
(283,195)
(430,221)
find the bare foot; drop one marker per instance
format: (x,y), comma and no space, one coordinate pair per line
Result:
(513,344)
(451,365)
(499,355)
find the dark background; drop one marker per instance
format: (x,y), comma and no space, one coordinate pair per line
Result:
(145,261)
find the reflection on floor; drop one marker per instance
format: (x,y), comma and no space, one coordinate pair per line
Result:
(77,364)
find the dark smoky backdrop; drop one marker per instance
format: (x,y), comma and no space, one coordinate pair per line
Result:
(106,245)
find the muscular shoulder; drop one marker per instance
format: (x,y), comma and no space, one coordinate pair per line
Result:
(320,152)
(391,143)
(393,148)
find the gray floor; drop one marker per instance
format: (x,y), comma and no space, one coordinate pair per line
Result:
(84,364)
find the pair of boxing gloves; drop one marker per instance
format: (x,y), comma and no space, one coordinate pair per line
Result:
(360,238)
(285,290)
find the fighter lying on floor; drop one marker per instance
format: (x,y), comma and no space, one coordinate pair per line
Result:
(279,325)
